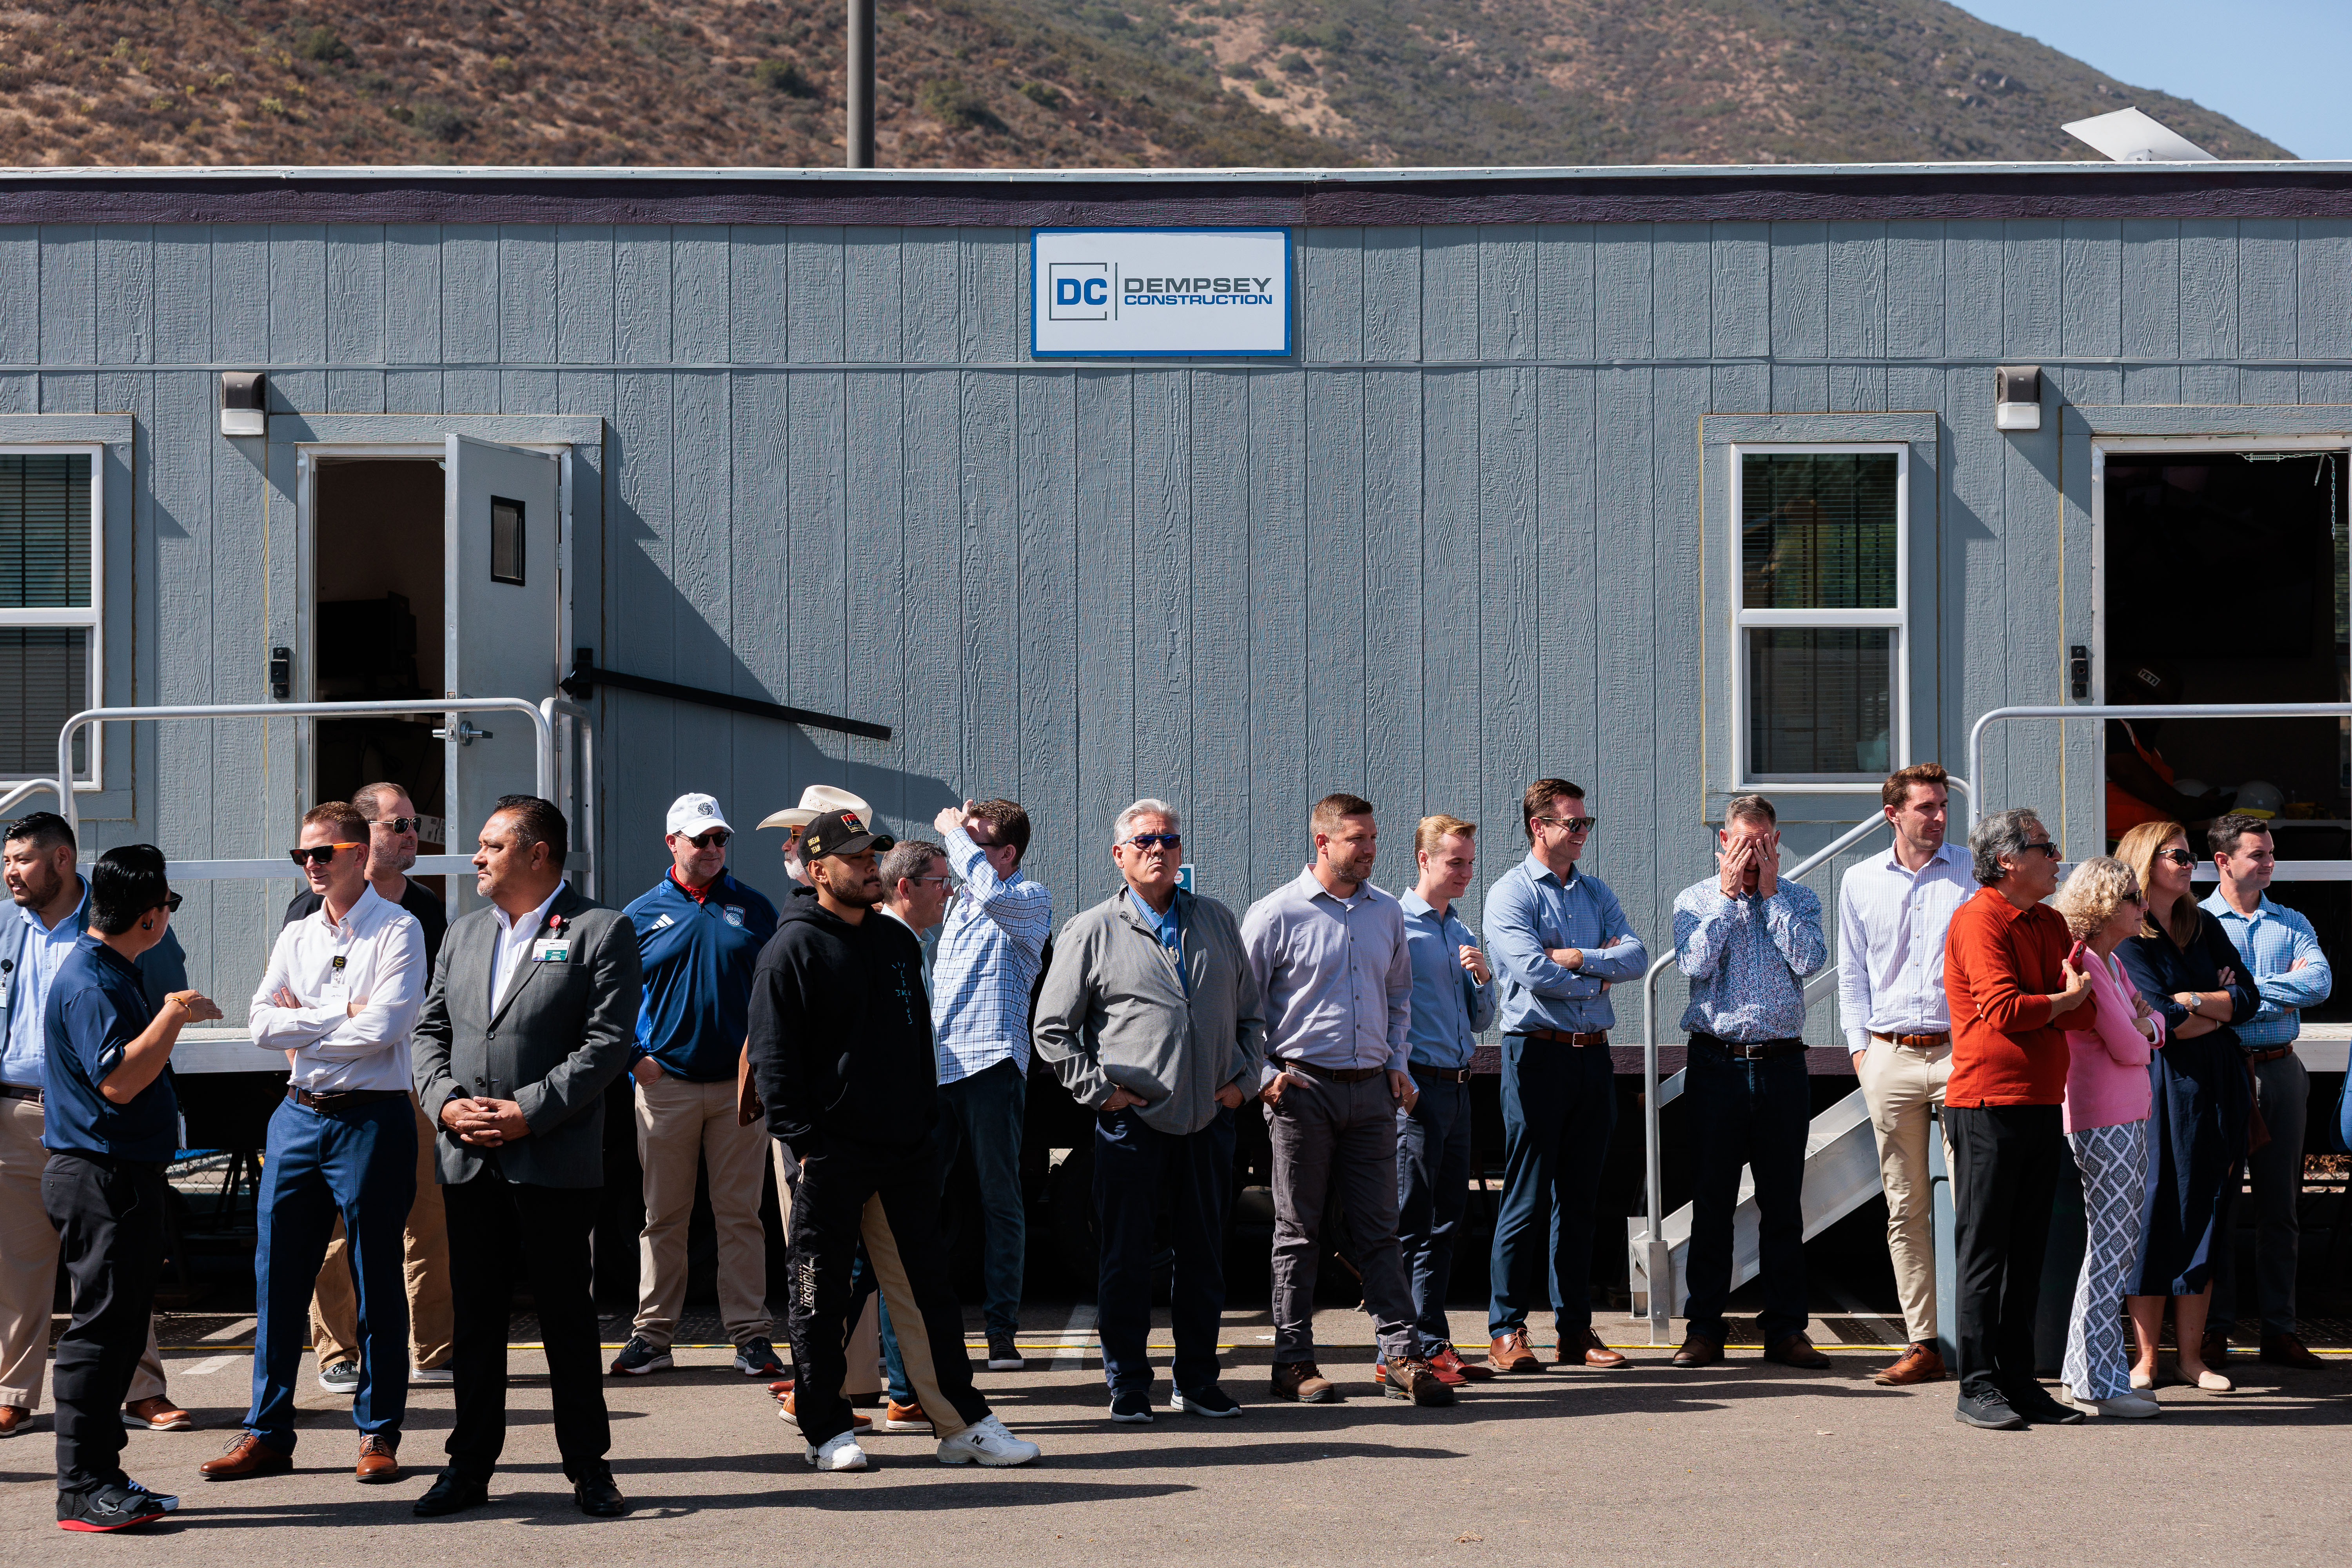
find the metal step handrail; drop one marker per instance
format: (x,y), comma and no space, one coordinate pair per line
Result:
(30,786)
(2142,711)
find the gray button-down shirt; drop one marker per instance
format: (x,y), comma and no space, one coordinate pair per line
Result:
(1335,974)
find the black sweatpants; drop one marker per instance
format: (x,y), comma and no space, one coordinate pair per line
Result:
(499,1228)
(892,1201)
(2006,1165)
(110,1218)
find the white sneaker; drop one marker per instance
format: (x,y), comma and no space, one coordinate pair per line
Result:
(986,1442)
(841,1453)
(431,1376)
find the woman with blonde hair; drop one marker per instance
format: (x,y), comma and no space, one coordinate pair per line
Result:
(2182,963)
(2107,1107)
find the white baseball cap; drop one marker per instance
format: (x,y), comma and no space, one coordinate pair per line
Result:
(816,801)
(694,815)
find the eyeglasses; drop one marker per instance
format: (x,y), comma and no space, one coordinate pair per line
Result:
(1573,823)
(171,903)
(2046,847)
(715,839)
(1148,842)
(318,853)
(400,824)
(2178,857)
(943,881)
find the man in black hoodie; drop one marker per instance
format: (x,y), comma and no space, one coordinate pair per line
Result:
(841,1051)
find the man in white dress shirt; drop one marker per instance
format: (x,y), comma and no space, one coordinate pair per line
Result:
(340,998)
(1891,915)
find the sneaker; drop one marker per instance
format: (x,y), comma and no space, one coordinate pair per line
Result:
(638,1358)
(757,1358)
(340,1377)
(1132,1407)
(841,1453)
(907,1418)
(1004,1356)
(108,1508)
(1412,1378)
(2033,1401)
(1989,1411)
(2125,1406)
(166,1499)
(986,1442)
(859,1425)
(431,1376)
(1207,1400)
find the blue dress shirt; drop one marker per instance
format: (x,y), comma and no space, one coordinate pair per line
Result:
(32,969)
(1334,974)
(1170,929)
(1747,959)
(1449,1005)
(2270,941)
(1529,911)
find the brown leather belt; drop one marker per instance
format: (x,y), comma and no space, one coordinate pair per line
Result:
(1560,1038)
(1918,1042)
(2271,1055)
(20,1091)
(347,1099)
(1336,1075)
(1741,1050)
(1424,1073)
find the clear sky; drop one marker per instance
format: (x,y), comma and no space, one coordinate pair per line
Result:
(2277,67)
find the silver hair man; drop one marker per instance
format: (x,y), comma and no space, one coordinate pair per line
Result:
(1125,823)
(2003,832)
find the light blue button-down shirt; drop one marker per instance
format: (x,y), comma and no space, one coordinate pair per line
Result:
(1747,959)
(1530,911)
(43,949)
(990,947)
(1891,926)
(2270,941)
(1449,1005)
(1334,974)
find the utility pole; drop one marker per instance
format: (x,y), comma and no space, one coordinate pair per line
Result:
(861,84)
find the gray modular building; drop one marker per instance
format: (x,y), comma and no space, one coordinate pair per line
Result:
(1672,482)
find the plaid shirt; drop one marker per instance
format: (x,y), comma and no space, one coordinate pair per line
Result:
(2270,941)
(990,946)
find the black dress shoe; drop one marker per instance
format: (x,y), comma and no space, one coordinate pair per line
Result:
(597,1496)
(1796,1350)
(1698,1350)
(451,1493)
(2034,1402)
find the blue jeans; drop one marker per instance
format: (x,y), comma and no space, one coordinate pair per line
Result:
(983,1113)
(1134,1166)
(1559,1106)
(863,1284)
(361,1164)
(1753,1114)
(1433,1189)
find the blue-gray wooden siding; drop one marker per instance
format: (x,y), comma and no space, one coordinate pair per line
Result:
(1454,545)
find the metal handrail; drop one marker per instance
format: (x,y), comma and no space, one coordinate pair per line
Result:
(30,786)
(2143,710)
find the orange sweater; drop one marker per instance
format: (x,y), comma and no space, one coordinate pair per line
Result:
(2001,965)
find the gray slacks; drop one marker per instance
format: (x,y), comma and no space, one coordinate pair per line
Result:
(1337,1136)
(2283,1090)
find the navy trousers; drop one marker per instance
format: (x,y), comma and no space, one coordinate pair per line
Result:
(1752,1114)
(360,1164)
(1135,1167)
(1433,1190)
(983,1113)
(1559,1106)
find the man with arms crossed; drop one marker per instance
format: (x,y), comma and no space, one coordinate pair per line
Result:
(1150,1017)
(1560,939)
(1893,912)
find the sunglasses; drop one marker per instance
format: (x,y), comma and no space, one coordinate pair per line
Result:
(2046,847)
(715,839)
(1150,841)
(1573,823)
(171,903)
(318,853)
(400,824)
(2178,857)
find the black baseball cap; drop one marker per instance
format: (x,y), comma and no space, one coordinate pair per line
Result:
(840,832)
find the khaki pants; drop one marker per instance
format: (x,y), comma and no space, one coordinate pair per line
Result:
(681,1127)
(864,1352)
(1901,1084)
(425,1257)
(28,1267)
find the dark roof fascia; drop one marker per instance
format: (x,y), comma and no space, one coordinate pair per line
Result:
(911,198)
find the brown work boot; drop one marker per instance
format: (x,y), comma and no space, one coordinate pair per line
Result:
(1449,1360)
(1411,1377)
(1510,1352)
(2286,1350)
(1298,1380)
(1796,1350)
(1917,1364)
(1587,1350)
(1699,1349)
(379,1459)
(14,1418)
(157,1415)
(249,1456)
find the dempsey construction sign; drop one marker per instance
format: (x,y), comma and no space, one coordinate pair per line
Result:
(1123,292)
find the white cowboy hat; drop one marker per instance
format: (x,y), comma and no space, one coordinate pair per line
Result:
(816,800)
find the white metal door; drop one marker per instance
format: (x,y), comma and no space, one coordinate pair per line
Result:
(503,620)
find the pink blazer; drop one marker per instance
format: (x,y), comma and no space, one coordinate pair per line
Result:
(2106,1066)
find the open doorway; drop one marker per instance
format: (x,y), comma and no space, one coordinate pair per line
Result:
(378,630)
(2226,580)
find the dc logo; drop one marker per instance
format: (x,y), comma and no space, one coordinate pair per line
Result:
(1081,291)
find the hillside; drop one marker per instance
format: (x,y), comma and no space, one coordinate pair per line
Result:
(1046,82)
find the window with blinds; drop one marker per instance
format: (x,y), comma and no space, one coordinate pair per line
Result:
(1822,613)
(49,606)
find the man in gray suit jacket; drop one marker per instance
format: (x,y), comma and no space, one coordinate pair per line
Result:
(533,1005)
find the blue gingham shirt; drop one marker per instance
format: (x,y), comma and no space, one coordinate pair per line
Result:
(2270,941)
(1449,1005)
(1747,959)
(990,946)
(1530,911)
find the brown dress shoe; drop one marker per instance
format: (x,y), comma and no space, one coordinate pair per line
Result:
(1796,1350)
(1298,1380)
(379,1459)
(157,1415)
(1449,1360)
(1588,1351)
(1699,1349)
(2215,1347)
(1410,1377)
(1917,1364)
(1510,1353)
(2286,1350)
(249,1456)
(14,1418)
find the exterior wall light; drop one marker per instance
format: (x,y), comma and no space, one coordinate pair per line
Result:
(242,396)
(2016,397)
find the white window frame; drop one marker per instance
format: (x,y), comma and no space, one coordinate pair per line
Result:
(1896,620)
(92,619)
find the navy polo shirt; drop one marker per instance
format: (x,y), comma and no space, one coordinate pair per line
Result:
(97,1008)
(698,957)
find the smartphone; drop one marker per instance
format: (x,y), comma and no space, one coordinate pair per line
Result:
(2081,957)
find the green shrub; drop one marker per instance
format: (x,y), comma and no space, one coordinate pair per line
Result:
(324,45)
(957,107)
(1044,97)
(785,77)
